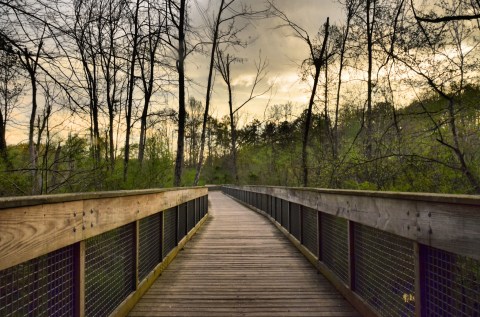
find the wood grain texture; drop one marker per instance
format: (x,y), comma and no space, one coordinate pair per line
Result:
(447,222)
(239,264)
(29,231)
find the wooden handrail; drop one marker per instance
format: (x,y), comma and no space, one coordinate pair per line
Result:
(50,235)
(447,222)
(34,226)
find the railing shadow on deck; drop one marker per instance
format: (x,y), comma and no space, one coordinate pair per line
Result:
(92,254)
(389,254)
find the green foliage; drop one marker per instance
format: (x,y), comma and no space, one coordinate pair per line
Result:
(408,153)
(69,167)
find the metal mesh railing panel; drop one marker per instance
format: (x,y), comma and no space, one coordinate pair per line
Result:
(264,202)
(109,270)
(452,284)
(270,204)
(310,230)
(43,286)
(295,220)
(190,215)
(384,271)
(182,221)
(197,209)
(285,215)
(278,210)
(150,253)
(334,244)
(169,231)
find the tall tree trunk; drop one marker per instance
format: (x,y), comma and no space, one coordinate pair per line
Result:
(233,133)
(131,85)
(209,89)
(31,67)
(306,130)
(181,98)
(370,21)
(3,141)
(318,62)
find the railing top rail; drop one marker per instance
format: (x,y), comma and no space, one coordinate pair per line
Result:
(447,222)
(36,225)
(25,201)
(427,197)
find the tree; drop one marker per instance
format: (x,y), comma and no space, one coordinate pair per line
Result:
(178,20)
(147,58)
(11,88)
(109,25)
(227,37)
(317,59)
(440,64)
(224,67)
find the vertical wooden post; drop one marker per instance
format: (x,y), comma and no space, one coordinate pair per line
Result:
(79,279)
(319,236)
(177,223)
(419,272)
(137,253)
(302,240)
(351,254)
(160,238)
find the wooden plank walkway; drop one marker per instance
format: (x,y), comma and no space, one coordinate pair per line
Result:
(239,264)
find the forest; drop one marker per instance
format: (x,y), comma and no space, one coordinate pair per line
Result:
(98,95)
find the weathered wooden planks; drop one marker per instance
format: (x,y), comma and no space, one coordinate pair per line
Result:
(239,264)
(33,226)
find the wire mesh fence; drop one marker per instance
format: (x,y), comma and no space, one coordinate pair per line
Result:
(109,270)
(295,220)
(190,215)
(334,244)
(452,284)
(43,286)
(310,229)
(384,271)
(182,222)
(285,215)
(150,235)
(383,264)
(278,210)
(170,230)
(198,207)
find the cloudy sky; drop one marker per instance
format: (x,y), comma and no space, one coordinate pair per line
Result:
(283,51)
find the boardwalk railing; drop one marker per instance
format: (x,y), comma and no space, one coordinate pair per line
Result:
(91,254)
(390,254)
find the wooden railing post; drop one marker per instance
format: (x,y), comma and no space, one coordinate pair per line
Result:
(137,253)
(417,249)
(319,236)
(79,279)
(351,254)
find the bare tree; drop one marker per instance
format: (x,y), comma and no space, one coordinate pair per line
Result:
(224,66)
(440,64)
(111,63)
(226,15)
(147,59)
(317,59)
(134,41)
(175,38)
(11,88)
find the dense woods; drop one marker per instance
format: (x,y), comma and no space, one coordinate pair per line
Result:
(99,93)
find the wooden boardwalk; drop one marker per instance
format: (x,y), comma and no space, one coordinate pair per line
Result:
(239,264)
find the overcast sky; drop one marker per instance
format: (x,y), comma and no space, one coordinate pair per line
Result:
(283,51)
